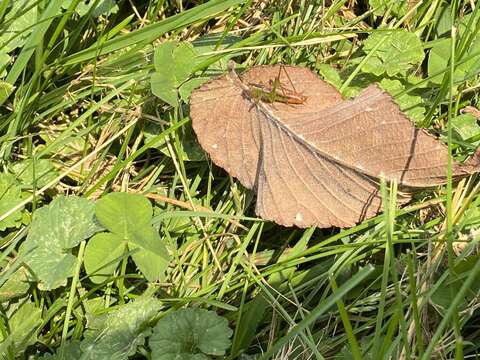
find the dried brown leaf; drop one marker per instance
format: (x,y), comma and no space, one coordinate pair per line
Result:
(318,163)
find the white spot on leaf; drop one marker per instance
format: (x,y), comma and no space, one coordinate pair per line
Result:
(299,217)
(214,146)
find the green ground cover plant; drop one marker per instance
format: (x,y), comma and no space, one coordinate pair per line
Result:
(119,239)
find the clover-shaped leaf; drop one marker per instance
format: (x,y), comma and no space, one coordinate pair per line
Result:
(128,217)
(174,63)
(102,256)
(190,334)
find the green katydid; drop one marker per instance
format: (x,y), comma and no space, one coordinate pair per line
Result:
(274,92)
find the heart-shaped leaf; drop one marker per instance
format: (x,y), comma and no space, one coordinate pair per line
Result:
(102,255)
(317,163)
(124,213)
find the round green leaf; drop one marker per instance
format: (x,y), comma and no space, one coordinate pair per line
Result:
(398,51)
(466,126)
(124,213)
(102,256)
(190,334)
(117,334)
(163,57)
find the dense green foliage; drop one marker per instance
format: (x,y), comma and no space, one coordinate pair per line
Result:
(119,239)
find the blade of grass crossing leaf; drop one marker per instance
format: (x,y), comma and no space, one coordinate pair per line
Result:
(7,252)
(410,13)
(470,33)
(352,340)
(431,7)
(319,310)
(359,67)
(386,268)
(390,214)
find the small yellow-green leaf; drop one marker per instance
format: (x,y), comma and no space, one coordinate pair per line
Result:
(164,86)
(150,254)
(102,256)
(124,213)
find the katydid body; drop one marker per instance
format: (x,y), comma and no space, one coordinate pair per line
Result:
(274,92)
